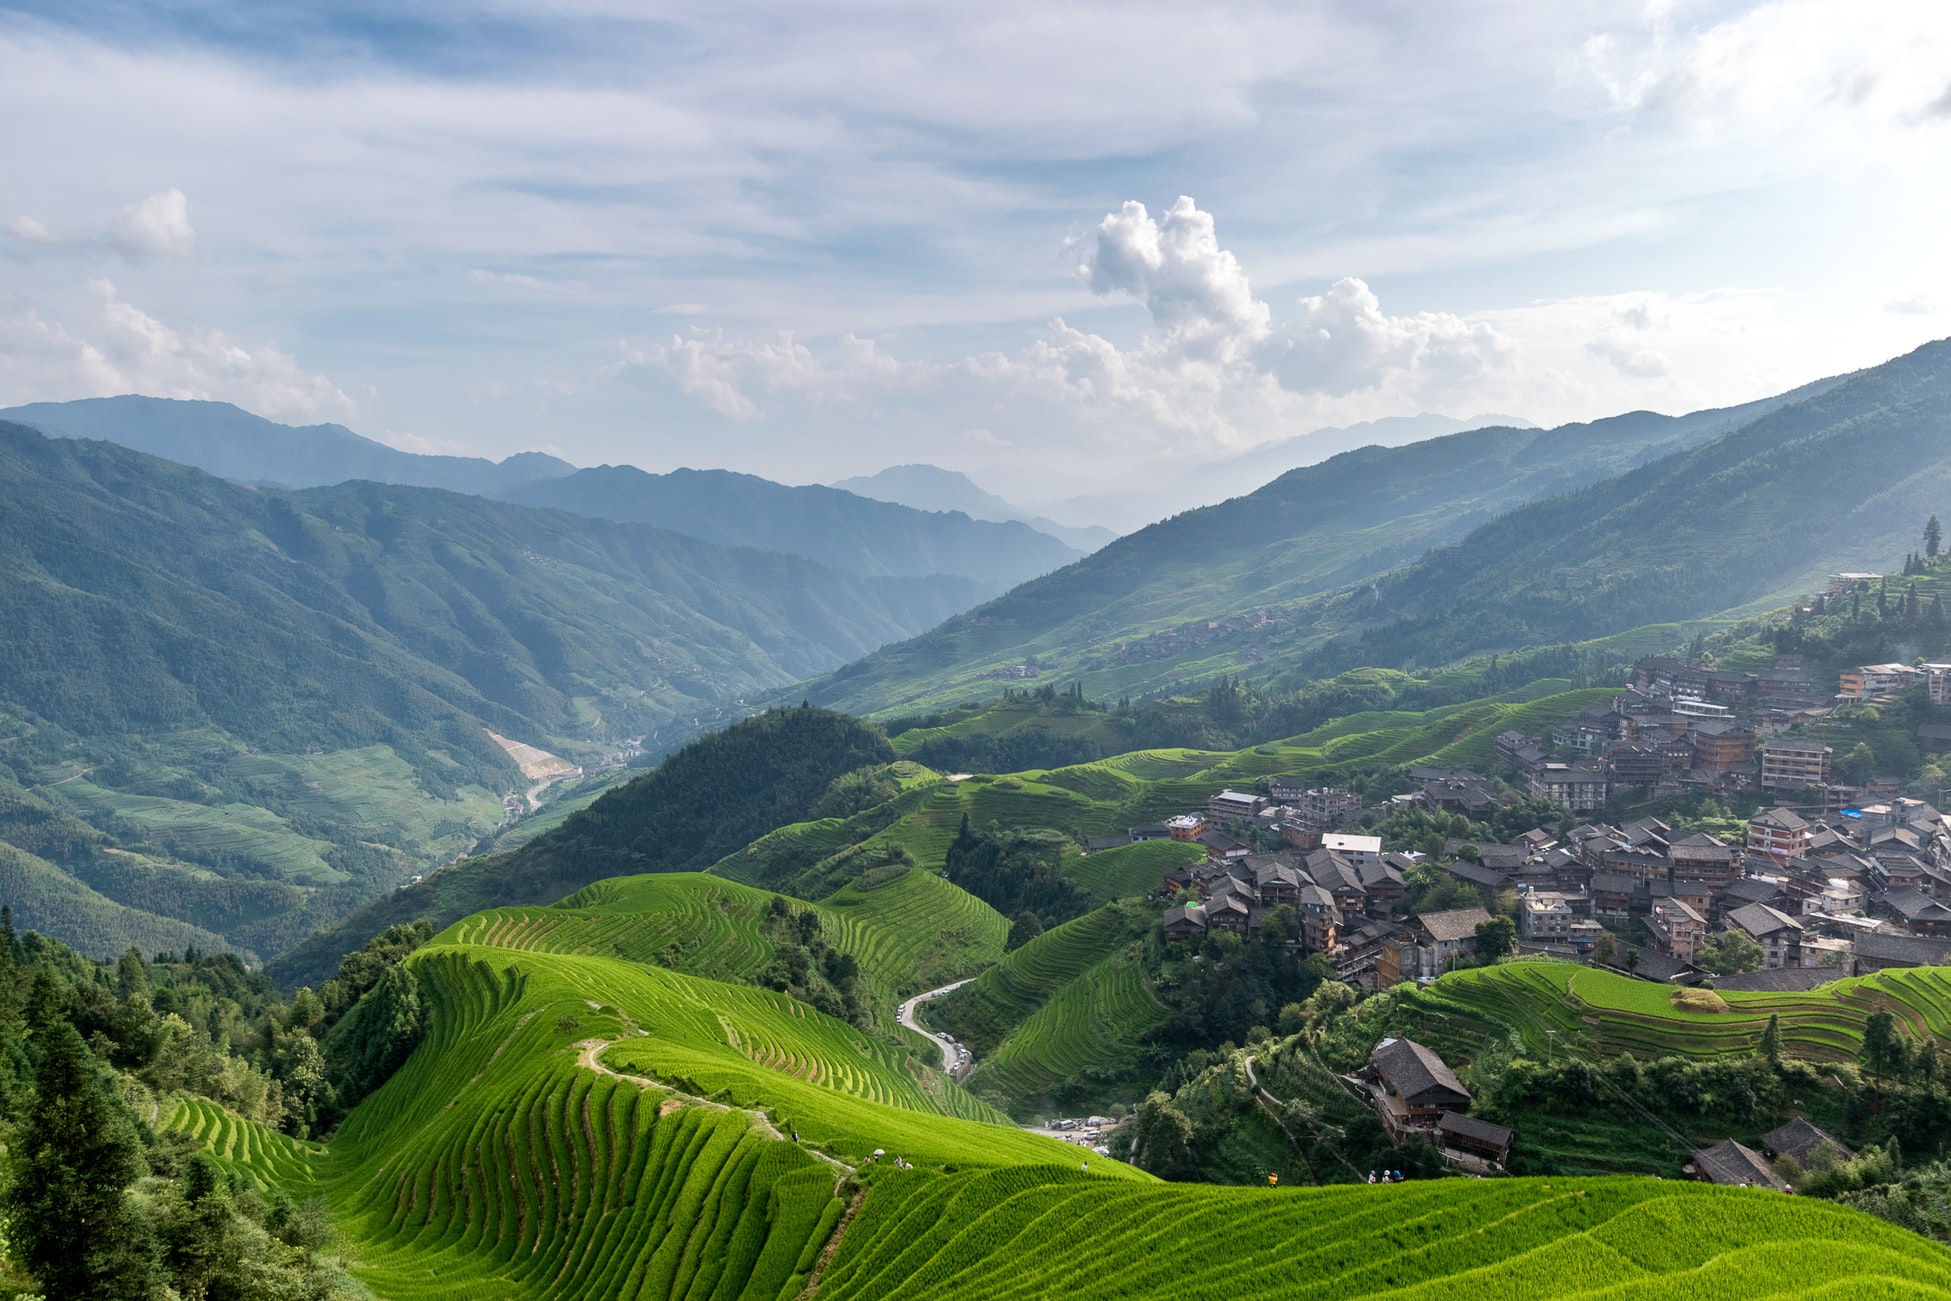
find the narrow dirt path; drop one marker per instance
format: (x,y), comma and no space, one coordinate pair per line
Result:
(590,1058)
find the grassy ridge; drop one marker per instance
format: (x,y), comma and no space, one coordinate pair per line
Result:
(985,1011)
(916,931)
(1605,1014)
(908,933)
(1129,869)
(990,1235)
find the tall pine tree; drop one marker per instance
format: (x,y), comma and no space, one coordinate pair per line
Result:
(72,1222)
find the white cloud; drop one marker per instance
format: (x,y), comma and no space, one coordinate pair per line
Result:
(155,226)
(1918,304)
(1213,373)
(1345,342)
(124,349)
(158,226)
(1197,294)
(34,232)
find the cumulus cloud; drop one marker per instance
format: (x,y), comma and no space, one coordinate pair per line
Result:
(158,226)
(1918,304)
(154,227)
(1345,343)
(34,232)
(1622,343)
(124,349)
(1195,290)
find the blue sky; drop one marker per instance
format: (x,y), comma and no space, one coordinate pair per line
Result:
(813,240)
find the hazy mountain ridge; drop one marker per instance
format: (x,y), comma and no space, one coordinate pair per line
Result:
(1220,589)
(232,443)
(930,487)
(835,527)
(1843,480)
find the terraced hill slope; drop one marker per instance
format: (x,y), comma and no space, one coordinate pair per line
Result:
(575,1125)
(1071,1002)
(1109,796)
(992,1235)
(1554,1006)
(908,932)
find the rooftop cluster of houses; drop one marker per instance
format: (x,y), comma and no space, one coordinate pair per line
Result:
(1855,891)
(1738,1165)
(1683,727)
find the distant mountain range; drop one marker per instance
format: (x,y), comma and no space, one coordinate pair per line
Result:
(835,528)
(1238,587)
(929,487)
(231,443)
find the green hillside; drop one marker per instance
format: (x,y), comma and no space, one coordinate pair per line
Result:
(296,689)
(711,796)
(1737,521)
(1231,589)
(1552,1006)
(985,1013)
(992,1235)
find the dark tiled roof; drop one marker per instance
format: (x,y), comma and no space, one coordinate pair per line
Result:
(1732,1164)
(1475,875)
(1470,1127)
(1918,950)
(1413,1070)
(1760,919)
(1654,965)
(1786,980)
(1801,1140)
(1753,890)
(1456,924)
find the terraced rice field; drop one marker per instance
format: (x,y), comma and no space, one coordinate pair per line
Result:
(1093,1024)
(1129,870)
(1011,991)
(498,1164)
(1604,1013)
(908,934)
(916,932)
(241,830)
(492,1166)
(268,1158)
(1012,1234)
(697,923)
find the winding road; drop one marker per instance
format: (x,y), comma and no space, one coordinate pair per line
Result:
(957,1061)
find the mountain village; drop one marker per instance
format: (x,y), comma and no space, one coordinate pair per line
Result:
(1832,879)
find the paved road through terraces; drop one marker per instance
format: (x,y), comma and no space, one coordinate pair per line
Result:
(957,1061)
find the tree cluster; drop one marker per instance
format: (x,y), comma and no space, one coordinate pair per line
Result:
(1016,871)
(100,1204)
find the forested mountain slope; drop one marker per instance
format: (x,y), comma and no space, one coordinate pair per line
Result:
(848,532)
(231,443)
(295,688)
(1217,590)
(1842,481)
